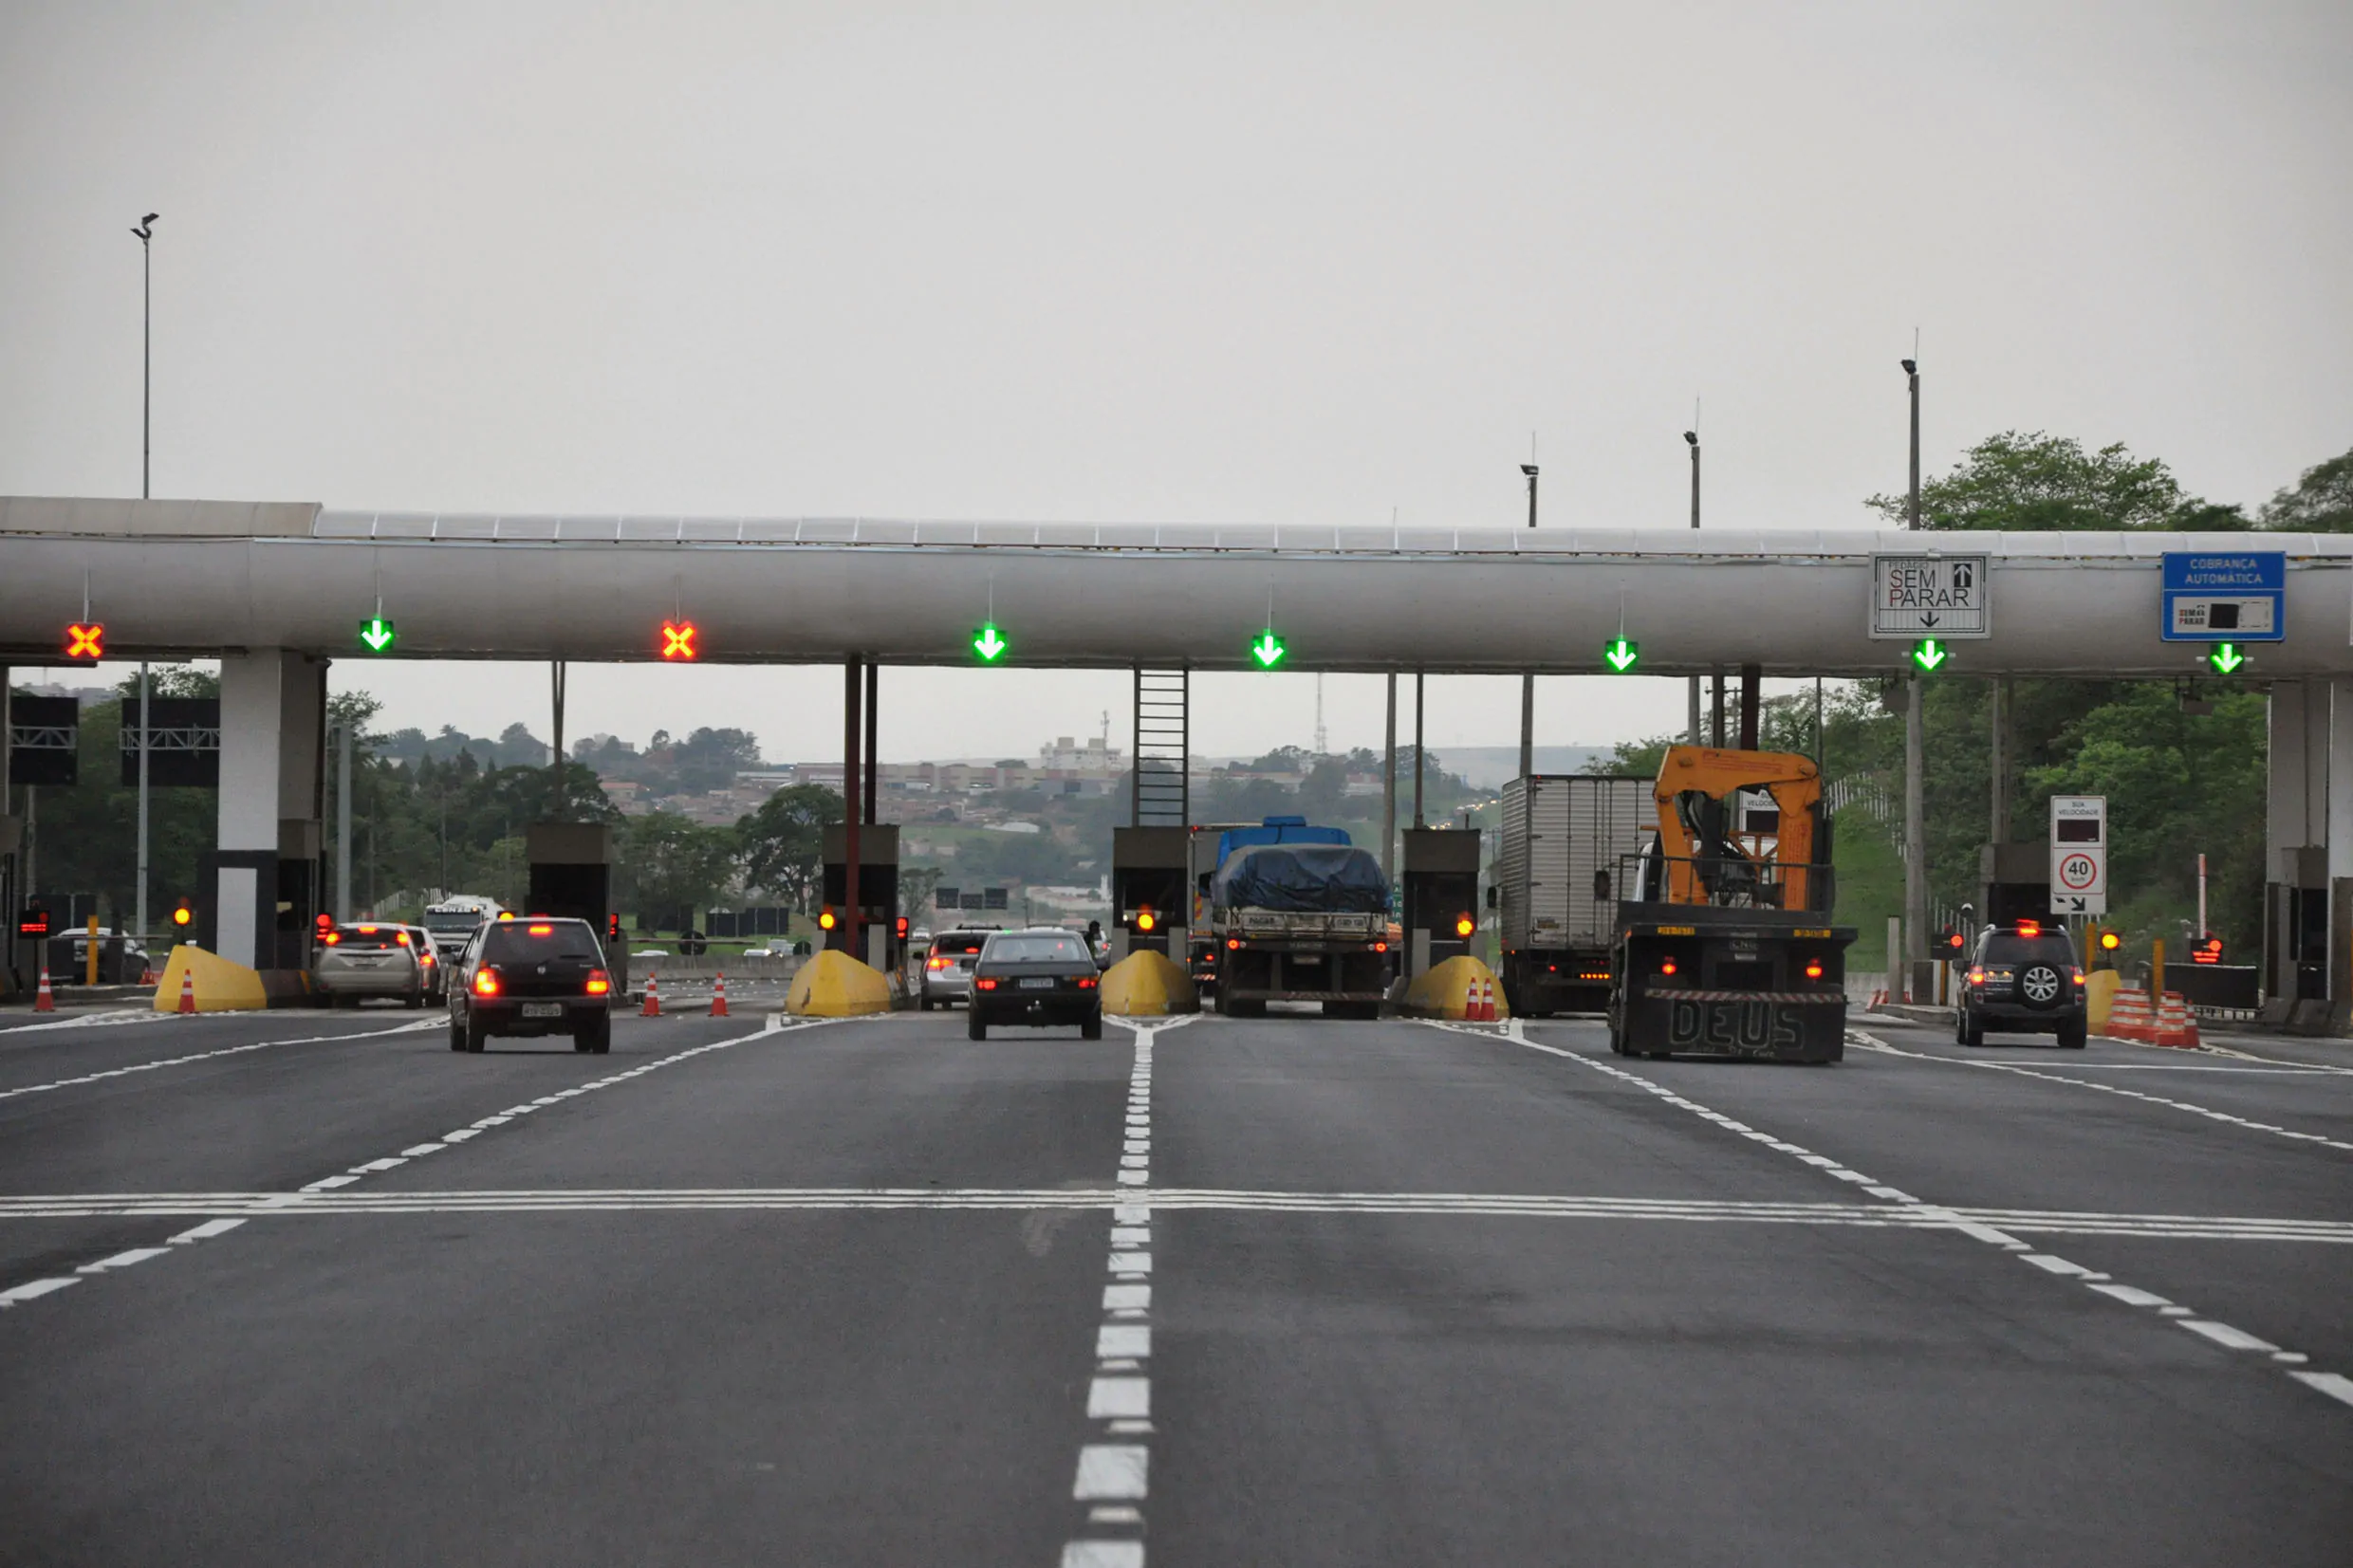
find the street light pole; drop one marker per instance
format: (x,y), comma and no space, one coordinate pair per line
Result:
(145,231)
(1915,747)
(1528,681)
(1691,439)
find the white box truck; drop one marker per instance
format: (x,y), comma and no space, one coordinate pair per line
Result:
(1564,838)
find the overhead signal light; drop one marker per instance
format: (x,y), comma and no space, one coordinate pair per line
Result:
(1622,653)
(825,919)
(678,641)
(990,644)
(2110,941)
(1267,650)
(377,634)
(185,915)
(1928,654)
(85,641)
(2226,658)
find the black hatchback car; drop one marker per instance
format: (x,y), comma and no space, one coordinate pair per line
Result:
(533,976)
(2023,979)
(1038,977)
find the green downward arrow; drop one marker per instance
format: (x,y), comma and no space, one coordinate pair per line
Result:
(1621,654)
(987,644)
(2226,658)
(1267,648)
(1929,654)
(376,632)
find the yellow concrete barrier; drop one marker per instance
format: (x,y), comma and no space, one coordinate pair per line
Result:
(1451,988)
(2099,987)
(834,985)
(221,986)
(1148,985)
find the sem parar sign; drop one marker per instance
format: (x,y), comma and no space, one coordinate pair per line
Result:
(2234,597)
(1940,596)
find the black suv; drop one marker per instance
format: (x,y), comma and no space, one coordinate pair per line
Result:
(1041,976)
(533,976)
(2022,980)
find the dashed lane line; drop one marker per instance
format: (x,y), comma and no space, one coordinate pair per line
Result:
(414,1027)
(1872,1042)
(35,1290)
(2222,1335)
(89,1021)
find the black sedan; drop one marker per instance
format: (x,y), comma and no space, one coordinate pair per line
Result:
(1036,978)
(533,976)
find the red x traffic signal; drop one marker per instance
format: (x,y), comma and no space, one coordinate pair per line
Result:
(679,640)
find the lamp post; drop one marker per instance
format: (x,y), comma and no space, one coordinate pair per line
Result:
(146,232)
(1528,681)
(1691,439)
(1915,746)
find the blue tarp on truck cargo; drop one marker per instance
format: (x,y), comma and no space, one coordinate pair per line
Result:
(1302,879)
(1278,830)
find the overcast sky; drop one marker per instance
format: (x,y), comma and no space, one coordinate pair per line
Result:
(1268,263)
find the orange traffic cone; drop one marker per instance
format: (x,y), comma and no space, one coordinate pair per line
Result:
(1488,986)
(719,997)
(653,997)
(188,992)
(42,1001)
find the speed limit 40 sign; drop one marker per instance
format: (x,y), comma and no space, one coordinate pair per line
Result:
(2079,854)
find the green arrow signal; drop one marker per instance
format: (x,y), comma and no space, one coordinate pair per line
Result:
(1929,654)
(378,633)
(987,644)
(1269,650)
(1621,654)
(2225,657)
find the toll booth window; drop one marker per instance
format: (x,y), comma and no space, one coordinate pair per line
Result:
(2077,830)
(518,941)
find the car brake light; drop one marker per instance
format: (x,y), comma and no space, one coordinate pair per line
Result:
(2029,928)
(540,931)
(1977,977)
(367,931)
(333,937)
(1086,982)
(600,983)
(936,963)
(402,938)
(986,985)
(2079,977)
(486,982)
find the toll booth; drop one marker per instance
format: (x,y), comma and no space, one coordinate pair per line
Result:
(2296,928)
(571,878)
(277,900)
(878,887)
(2014,884)
(1151,904)
(1440,888)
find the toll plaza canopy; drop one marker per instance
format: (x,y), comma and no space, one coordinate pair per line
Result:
(194,578)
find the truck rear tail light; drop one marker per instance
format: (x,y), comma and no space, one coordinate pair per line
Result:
(1380,947)
(486,982)
(1666,966)
(1233,942)
(599,984)
(1813,969)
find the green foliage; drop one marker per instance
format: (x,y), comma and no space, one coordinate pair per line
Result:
(2019,481)
(2320,502)
(672,868)
(783,843)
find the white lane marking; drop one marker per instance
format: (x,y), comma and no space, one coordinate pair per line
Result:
(201,1056)
(2220,1334)
(1110,1396)
(2132,1295)
(2332,1384)
(1130,1235)
(2208,1111)
(33,1290)
(1125,1298)
(2224,1334)
(422,1149)
(1111,1470)
(89,1021)
(124,1259)
(1104,1554)
(1130,1340)
(2050,1264)
(206,1231)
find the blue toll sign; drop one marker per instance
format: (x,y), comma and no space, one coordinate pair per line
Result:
(2239,597)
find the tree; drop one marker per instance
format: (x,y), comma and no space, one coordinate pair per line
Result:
(2020,481)
(2320,502)
(673,868)
(784,843)
(709,759)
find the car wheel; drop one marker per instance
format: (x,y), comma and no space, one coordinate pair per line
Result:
(475,1035)
(925,1004)
(975,1028)
(1970,1032)
(2073,1034)
(458,1034)
(413,1001)
(1092,1029)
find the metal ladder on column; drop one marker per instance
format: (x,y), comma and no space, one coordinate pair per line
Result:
(1163,737)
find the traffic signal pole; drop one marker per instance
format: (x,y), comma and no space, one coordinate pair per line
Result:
(852,687)
(1915,747)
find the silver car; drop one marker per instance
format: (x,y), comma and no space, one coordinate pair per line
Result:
(360,961)
(948,972)
(435,961)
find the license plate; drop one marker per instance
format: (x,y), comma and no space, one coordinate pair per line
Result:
(1043,984)
(542,1010)
(1306,958)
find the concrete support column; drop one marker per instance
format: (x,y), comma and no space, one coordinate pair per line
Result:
(266,847)
(2336,822)
(2296,839)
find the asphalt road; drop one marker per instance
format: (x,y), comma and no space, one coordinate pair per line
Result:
(1279,1291)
